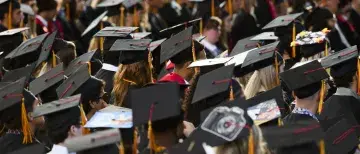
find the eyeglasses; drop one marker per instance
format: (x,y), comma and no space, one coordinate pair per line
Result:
(105,97)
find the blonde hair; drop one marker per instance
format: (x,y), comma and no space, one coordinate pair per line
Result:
(138,74)
(262,80)
(240,146)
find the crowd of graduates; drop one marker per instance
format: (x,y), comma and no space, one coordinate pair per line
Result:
(177,77)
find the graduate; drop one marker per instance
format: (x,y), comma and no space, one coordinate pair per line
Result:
(10,15)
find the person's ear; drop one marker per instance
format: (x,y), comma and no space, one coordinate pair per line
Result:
(72,130)
(29,116)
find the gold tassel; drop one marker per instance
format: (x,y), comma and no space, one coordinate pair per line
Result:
(53,59)
(67,7)
(277,70)
(83,120)
(322,93)
(293,54)
(134,148)
(150,67)
(194,55)
(201,27)
(326,49)
(212,7)
(121,148)
(22,23)
(10,16)
(101,40)
(151,136)
(231,96)
(25,124)
(251,149)
(280,122)
(230,8)
(358,77)
(135,17)
(89,67)
(322,147)
(122,16)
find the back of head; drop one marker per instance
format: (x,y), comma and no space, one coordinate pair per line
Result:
(318,19)
(213,23)
(46,5)
(186,55)
(344,73)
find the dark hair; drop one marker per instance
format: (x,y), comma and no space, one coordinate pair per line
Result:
(308,90)
(345,80)
(318,19)
(186,55)
(66,53)
(90,91)
(46,5)
(171,123)
(213,23)
(59,123)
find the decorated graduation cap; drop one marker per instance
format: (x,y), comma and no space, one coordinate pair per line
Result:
(46,84)
(268,107)
(15,101)
(150,106)
(311,74)
(94,140)
(7,7)
(311,43)
(214,83)
(16,74)
(46,50)
(207,65)
(95,23)
(87,58)
(245,45)
(131,51)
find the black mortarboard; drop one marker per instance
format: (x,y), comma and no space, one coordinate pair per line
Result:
(47,80)
(140,35)
(161,101)
(118,32)
(260,58)
(27,9)
(213,83)
(86,58)
(176,44)
(16,74)
(74,82)
(307,72)
(207,65)
(35,149)
(94,23)
(282,21)
(267,106)
(11,94)
(57,106)
(342,138)
(46,48)
(108,3)
(12,31)
(311,43)
(131,50)
(179,27)
(244,45)
(265,36)
(28,46)
(93,140)
(238,59)
(291,135)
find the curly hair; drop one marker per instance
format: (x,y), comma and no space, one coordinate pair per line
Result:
(139,73)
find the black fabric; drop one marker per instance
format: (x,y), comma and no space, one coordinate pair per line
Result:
(355,20)
(170,15)
(238,30)
(157,24)
(262,12)
(12,142)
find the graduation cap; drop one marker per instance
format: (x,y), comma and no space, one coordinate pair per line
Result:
(265,36)
(14,96)
(28,46)
(86,58)
(173,29)
(46,49)
(35,149)
(93,140)
(48,80)
(11,32)
(176,44)
(111,117)
(27,9)
(118,32)
(213,83)
(56,106)
(16,74)
(108,3)
(311,43)
(140,35)
(94,23)
(244,45)
(131,51)
(74,82)
(267,106)
(207,65)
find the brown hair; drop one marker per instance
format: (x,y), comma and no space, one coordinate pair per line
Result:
(139,73)
(213,23)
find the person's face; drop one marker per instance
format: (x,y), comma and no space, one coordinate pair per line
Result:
(38,122)
(80,5)
(17,16)
(75,131)
(236,5)
(213,35)
(101,103)
(333,5)
(156,3)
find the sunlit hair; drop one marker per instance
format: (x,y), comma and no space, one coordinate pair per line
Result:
(260,81)
(244,80)
(240,146)
(138,73)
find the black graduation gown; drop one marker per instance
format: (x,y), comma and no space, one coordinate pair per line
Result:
(307,148)
(244,26)
(13,142)
(262,13)
(108,77)
(157,24)
(108,149)
(347,31)
(173,15)
(354,19)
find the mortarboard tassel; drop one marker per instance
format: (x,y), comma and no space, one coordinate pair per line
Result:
(251,149)
(326,49)
(280,122)
(358,77)
(322,147)
(293,53)
(10,16)
(121,147)
(322,93)
(150,66)
(231,96)
(201,27)
(83,120)
(53,59)
(101,40)
(134,147)
(25,124)
(89,67)
(122,16)
(230,8)
(150,134)
(67,7)
(212,7)
(277,70)
(136,24)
